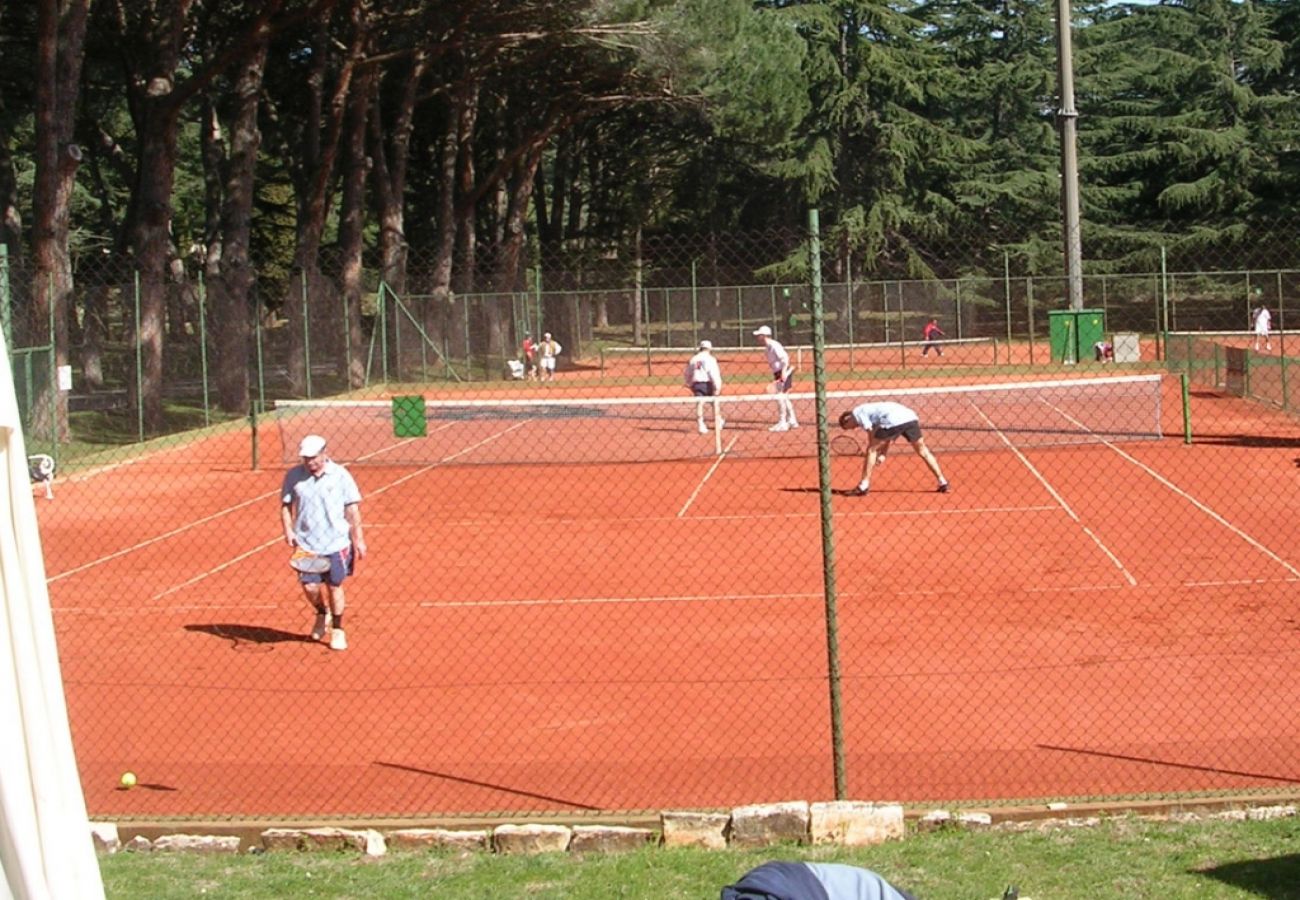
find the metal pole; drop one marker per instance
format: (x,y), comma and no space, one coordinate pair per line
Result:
(1068,116)
(1006,292)
(827,519)
(139,365)
(306,335)
(203,350)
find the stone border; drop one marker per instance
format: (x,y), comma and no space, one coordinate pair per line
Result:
(841,823)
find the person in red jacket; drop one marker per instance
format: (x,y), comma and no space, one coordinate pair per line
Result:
(931,334)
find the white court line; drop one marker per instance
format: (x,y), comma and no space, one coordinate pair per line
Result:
(707,475)
(1059,499)
(1190,499)
(740,517)
(258,549)
(446,459)
(596,601)
(377,604)
(161,537)
(1209,512)
(217,569)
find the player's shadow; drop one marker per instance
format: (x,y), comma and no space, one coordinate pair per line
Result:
(251,634)
(1274,877)
(838,492)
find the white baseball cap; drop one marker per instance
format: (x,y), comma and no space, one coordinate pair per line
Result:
(312,445)
(763,331)
(706,345)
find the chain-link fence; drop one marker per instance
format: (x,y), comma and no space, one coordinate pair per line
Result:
(598,592)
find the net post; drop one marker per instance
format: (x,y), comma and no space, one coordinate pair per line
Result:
(717,425)
(1187,407)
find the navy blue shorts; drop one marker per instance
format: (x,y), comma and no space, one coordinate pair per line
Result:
(910,430)
(342,565)
(702,388)
(785,383)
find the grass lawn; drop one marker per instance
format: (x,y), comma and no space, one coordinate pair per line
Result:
(1121,857)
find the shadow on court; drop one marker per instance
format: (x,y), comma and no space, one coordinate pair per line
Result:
(144,786)
(250,634)
(486,784)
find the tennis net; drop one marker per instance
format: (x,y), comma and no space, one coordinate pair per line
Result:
(625,430)
(669,361)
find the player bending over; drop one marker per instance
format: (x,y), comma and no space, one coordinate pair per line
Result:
(885,420)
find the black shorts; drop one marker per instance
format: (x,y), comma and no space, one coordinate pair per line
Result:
(702,388)
(910,430)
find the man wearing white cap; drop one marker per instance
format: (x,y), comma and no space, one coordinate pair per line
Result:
(549,350)
(782,378)
(321,513)
(704,378)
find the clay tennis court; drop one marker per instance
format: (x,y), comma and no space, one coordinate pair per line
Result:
(1073,621)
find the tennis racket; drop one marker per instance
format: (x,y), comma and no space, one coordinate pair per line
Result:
(776,384)
(846,445)
(305,561)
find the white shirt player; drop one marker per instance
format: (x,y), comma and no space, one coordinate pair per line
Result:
(1263,320)
(703,368)
(883,414)
(778,360)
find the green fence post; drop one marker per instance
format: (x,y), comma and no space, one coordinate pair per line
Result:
(203,349)
(306,333)
(253,443)
(1006,293)
(695,304)
(1281,341)
(6,308)
(261,369)
(347,343)
(1187,408)
(827,518)
(139,365)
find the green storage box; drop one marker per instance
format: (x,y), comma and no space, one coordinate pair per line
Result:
(1072,332)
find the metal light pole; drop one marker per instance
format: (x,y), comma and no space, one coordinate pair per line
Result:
(1068,116)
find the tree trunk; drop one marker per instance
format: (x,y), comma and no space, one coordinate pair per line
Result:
(60,42)
(152,252)
(235,305)
(352,221)
(321,137)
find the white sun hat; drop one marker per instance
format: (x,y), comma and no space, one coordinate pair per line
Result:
(763,331)
(311,445)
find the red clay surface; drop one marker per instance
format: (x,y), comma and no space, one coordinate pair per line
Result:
(1069,622)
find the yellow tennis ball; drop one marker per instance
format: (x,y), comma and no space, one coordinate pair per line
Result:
(128,780)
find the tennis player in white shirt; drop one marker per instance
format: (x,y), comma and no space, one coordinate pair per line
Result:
(778,360)
(704,378)
(885,420)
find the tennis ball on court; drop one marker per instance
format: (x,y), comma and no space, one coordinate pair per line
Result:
(127,780)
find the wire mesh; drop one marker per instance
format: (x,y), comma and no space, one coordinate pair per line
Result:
(624,614)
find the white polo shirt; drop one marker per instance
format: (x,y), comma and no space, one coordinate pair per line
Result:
(702,368)
(883,414)
(777,359)
(318,503)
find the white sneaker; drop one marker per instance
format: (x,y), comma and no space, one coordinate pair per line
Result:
(338,640)
(780,426)
(794,424)
(320,628)
(704,429)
